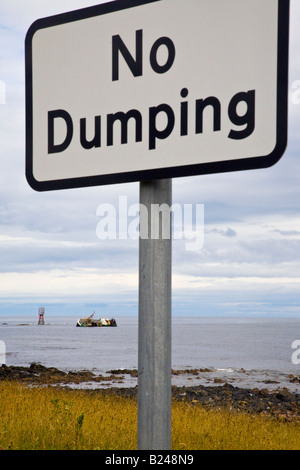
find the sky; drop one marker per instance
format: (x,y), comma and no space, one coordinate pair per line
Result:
(50,251)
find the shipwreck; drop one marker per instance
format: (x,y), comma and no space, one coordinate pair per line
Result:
(93,322)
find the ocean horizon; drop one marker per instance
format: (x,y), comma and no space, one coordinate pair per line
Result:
(244,351)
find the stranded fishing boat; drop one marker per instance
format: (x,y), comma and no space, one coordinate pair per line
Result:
(91,321)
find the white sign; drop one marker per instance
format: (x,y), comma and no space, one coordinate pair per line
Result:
(135,90)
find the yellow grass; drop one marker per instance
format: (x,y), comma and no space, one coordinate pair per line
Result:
(197,428)
(49,418)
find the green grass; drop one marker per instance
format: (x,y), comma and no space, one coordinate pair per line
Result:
(56,419)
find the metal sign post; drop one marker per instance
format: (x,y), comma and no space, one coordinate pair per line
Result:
(154,348)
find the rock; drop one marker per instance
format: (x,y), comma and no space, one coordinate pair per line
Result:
(37,367)
(295,380)
(276,403)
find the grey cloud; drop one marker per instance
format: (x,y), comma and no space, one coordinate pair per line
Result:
(229,232)
(287,233)
(59,228)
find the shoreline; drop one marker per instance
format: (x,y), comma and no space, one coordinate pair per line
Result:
(280,402)
(184,376)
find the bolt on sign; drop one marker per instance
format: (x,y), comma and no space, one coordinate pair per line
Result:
(144,89)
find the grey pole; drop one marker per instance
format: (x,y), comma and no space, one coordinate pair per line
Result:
(154,345)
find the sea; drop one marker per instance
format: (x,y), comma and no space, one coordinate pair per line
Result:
(245,352)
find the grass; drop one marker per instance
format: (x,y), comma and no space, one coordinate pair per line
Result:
(197,428)
(57,419)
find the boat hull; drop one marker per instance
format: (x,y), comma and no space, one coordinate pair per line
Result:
(92,323)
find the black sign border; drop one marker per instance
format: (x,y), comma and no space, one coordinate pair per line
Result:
(170,172)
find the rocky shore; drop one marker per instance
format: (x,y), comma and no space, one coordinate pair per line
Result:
(280,403)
